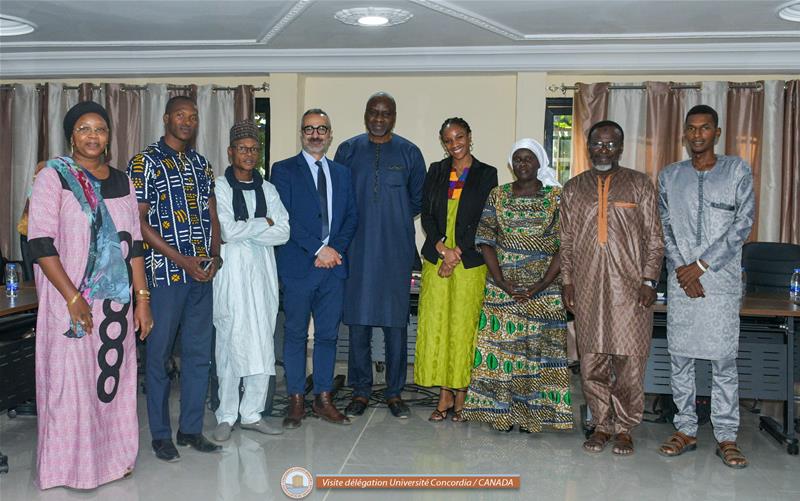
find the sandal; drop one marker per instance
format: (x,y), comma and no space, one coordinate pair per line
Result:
(458,414)
(677,444)
(597,442)
(439,415)
(730,454)
(623,444)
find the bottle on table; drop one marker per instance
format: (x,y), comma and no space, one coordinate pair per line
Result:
(12,279)
(794,287)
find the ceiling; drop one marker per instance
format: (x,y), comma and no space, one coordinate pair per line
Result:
(173,37)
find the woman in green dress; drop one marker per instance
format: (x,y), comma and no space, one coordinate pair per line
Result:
(453,271)
(520,373)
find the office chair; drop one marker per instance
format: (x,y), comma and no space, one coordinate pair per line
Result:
(769,265)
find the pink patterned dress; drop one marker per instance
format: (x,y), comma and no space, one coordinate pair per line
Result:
(85,387)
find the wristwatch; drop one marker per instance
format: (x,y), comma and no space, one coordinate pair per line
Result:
(650,283)
(219,261)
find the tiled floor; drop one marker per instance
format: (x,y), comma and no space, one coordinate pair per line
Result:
(551,465)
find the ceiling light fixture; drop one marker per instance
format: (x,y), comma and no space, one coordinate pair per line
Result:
(12,26)
(790,11)
(371,17)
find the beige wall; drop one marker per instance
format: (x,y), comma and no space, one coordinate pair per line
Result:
(487,102)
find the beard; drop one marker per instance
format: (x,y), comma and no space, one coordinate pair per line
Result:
(602,167)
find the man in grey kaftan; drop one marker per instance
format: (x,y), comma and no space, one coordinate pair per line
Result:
(707,208)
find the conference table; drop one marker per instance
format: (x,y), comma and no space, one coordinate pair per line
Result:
(26,300)
(785,315)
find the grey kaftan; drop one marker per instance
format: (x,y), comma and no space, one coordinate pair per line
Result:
(706,215)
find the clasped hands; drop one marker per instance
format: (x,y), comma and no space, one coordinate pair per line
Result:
(197,268)
(327,257)
(520,293)
(80,313)
(689,279)
(450,259)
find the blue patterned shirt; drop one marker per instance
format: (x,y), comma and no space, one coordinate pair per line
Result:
(177,185)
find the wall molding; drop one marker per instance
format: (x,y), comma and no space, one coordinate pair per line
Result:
(742,57)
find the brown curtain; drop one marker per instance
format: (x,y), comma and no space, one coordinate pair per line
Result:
(790,167)
(243,103)
(743,133)
(9,230)
(590,105)
(44,134)
(123,106)
(85,91)
(663,128)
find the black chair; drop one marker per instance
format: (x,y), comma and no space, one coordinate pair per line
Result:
(769,265)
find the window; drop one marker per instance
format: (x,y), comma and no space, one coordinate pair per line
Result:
(261,118)
(558,135)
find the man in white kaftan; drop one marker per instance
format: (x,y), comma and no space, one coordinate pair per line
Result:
(707,209)
(253,221)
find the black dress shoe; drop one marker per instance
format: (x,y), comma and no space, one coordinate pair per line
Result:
(198,442)
(165,450)
(356,407)
(398,408)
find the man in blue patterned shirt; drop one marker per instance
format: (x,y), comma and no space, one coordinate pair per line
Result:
(175,189)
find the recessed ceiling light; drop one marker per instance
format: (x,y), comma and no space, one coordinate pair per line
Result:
(790,11)
(372,20)
(371,17)
(12,26)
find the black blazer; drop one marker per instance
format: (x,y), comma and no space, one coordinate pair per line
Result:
(480,181)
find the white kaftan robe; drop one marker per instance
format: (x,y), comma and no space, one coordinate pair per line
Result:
(246,287)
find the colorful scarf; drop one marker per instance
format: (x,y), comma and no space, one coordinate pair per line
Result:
(456,183)
(106,273)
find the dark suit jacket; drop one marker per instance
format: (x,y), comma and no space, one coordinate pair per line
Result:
(480,181)
(299,195)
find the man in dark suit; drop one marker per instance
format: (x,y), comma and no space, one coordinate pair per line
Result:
(312,266)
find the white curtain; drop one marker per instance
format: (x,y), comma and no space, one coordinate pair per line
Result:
(25,122)
(215,109)
(769,216)
(714,94)
(59,101)
(628,108)
(153,103)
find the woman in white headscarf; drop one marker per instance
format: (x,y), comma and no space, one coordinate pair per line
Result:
(520,374)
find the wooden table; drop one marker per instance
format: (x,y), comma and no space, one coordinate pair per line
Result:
(777,306)
(26,300)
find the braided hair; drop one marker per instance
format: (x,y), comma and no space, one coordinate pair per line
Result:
(454,121)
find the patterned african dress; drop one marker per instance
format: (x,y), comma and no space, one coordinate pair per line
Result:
(88,430)
(519,373)
(448,316)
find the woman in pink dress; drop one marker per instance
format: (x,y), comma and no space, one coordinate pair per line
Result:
(84,234)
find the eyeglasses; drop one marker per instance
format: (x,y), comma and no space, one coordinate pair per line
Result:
(85,130)
(244,150)
(321,130)
(609,145)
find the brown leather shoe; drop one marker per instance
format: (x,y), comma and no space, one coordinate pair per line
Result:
(295,412)
(324,408)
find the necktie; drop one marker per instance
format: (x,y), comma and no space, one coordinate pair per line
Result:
(322,188)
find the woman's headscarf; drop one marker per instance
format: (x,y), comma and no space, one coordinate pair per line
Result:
(547,175)
(80,109)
